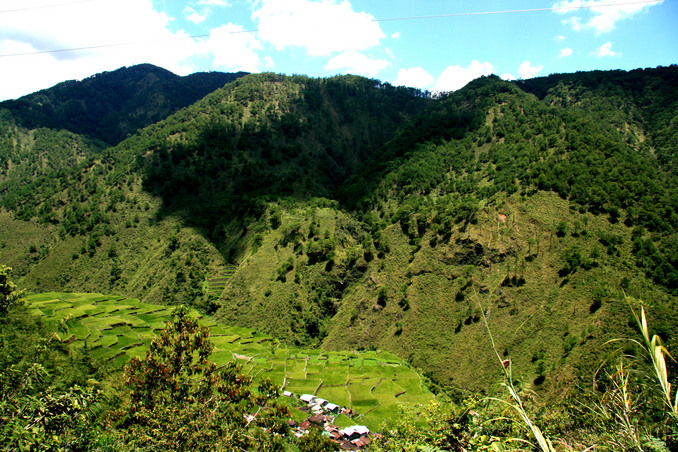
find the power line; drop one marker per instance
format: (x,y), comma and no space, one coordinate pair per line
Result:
(121,44)
(511,11)
(392,19)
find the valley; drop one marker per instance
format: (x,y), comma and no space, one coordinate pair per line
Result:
(380,247)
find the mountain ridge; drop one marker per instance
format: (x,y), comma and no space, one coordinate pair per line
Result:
(112,105)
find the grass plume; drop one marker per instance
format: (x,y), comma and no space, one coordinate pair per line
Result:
(654,347)
(517,405)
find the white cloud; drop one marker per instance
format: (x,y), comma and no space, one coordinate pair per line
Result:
(193,16)
(352,62)
(560,38)
(574,22)
(134,23)
(605,50)
(213,2)
(565,52)
(507,77)
(455,77)
(234,48)
(605,14)
(526,70)
(321,27)
(395,35)
(415,77)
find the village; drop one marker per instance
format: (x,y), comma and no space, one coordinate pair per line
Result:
(322,415)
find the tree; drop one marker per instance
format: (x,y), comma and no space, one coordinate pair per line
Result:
(561,229)
(9,294)
(44,404)
(178,400)
(314,441)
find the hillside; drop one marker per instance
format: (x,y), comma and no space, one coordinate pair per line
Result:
(349,214)
(538,214)
(46,134)
(168,208)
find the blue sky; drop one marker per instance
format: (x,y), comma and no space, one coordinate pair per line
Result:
(438,45)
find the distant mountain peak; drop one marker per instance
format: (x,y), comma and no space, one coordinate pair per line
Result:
(107,106)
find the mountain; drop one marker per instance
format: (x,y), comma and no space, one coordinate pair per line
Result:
(189,188)
(51,132)
(346,213)
(112,105)
(536,213)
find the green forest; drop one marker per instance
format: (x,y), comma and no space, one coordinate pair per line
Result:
(514,244)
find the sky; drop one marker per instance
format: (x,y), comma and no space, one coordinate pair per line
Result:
(434,45)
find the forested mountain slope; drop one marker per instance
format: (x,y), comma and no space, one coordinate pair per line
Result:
(53,130)
(353,214)
(537,213)
(112,105)
(131,211)
(648,95)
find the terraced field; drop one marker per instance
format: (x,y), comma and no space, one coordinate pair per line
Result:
(117,328)
(216,283)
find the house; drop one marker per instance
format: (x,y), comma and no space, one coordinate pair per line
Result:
(287,394)
(308,398)
(332,408)
(361,442)
(354,432)
(333,431)
(348,412)
(318,405)
(317,419)
(345,445)
(316,408)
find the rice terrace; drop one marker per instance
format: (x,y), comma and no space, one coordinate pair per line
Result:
(115,329)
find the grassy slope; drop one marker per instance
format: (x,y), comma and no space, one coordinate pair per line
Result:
(140,253)
(442,330)
(547,325)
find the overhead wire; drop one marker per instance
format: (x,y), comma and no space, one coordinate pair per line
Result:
(391,19)
(511,11)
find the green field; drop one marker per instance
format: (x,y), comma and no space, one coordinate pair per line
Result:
(117,328)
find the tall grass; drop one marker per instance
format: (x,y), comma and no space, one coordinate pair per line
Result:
(515,402)
(618,406)
(657,352)
(638,407)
